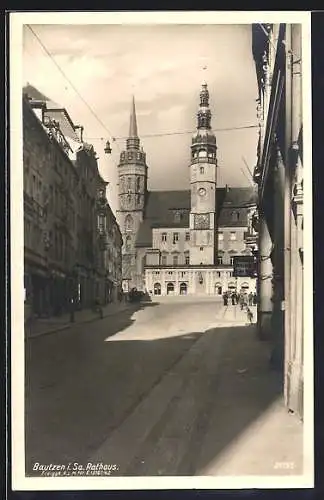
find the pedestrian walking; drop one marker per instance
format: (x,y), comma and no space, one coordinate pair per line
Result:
(255,299)
(225,298)
(233,298)
(250,299)
(249,315)
(98,307)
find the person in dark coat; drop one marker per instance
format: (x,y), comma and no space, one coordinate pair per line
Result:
(225,298)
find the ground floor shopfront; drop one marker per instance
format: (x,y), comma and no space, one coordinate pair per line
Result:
(50,291)
(195,281)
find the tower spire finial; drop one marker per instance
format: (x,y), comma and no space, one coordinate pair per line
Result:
(133,141)
(133,122)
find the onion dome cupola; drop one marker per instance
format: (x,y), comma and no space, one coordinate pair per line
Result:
(134,152)
(203,144)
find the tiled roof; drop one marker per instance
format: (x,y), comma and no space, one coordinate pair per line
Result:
(162,205)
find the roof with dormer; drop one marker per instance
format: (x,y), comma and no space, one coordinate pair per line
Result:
(171,209)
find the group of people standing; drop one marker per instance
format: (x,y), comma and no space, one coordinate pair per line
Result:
(243,298)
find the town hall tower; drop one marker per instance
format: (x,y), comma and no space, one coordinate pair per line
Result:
(203,181)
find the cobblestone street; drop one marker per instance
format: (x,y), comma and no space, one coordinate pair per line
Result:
(171,388)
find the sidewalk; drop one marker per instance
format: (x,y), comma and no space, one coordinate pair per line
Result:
(218,411)
(233,316)
(44,326)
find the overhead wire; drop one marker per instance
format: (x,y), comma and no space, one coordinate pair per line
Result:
(164,134)
(69,81)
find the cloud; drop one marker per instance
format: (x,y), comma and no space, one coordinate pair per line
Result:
(161,65)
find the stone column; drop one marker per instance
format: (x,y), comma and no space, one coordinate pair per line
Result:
(295,362)
(265,281)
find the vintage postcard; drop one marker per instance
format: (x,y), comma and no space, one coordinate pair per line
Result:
(161,189)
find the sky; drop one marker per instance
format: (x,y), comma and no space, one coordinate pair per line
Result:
(163,66)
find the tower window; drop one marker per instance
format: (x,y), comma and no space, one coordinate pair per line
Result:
(138,183)
(202,170)
(129,224)
(175,238)
(129,180)
(163,236)
(138,199)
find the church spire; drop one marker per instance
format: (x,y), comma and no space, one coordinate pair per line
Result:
(133,121)
(133,141)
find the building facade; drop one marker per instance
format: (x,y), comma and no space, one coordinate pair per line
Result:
(72,242)
(279,175)
(183,242)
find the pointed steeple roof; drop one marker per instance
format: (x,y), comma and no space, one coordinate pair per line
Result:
(133,121)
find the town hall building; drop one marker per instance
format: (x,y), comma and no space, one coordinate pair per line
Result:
(183,242)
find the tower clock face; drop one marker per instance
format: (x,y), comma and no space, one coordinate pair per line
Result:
(202,192)
(201,221)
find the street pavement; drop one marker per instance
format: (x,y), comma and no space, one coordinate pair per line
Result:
(170,387)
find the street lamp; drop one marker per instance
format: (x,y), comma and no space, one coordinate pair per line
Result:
(107,148)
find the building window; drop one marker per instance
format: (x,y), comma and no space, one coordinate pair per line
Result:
(129,181)
(235,216)
(187,236)
(138,183)
(175,238)
(177,217)
(187,259)
(232,261)
(220,236)
(164,260)
(175,260)
(233,236)
(202,170)
(163,236)
(201,249)
(219,260)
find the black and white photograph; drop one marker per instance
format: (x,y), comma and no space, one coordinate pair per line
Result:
(161,230)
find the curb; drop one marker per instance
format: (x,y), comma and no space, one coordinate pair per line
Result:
(70,325)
